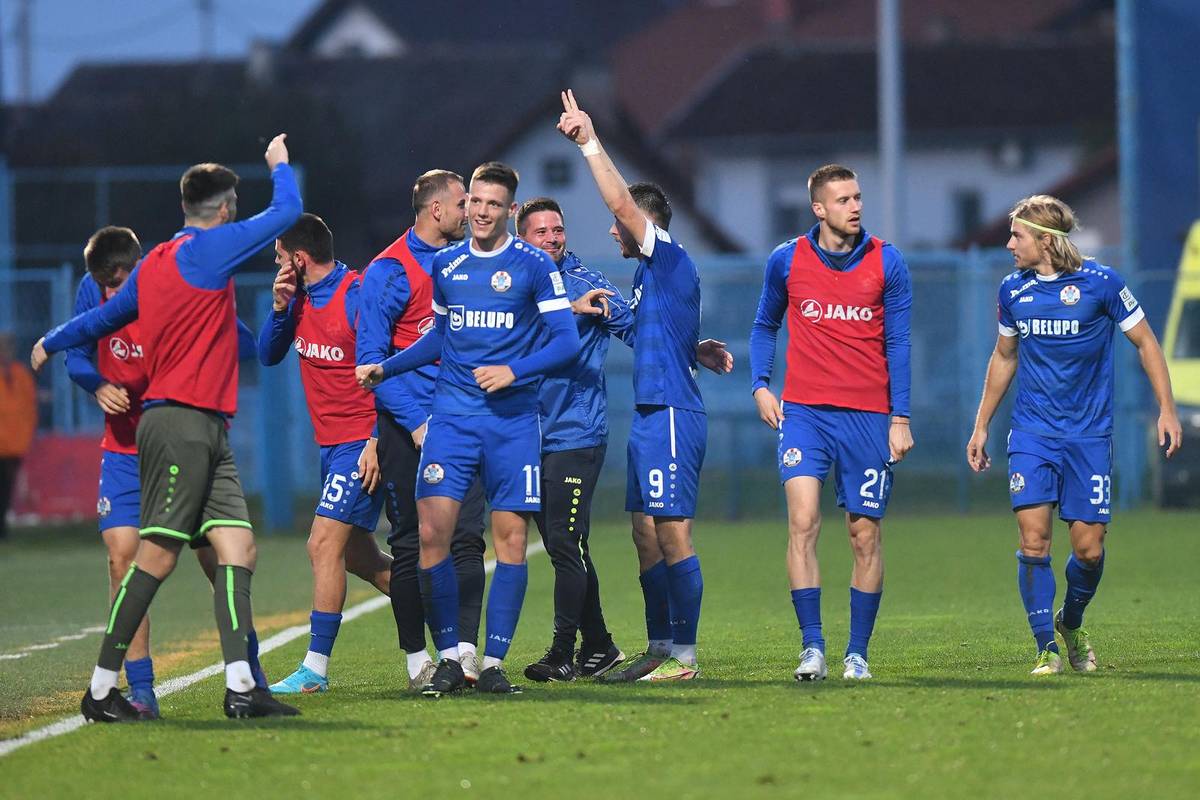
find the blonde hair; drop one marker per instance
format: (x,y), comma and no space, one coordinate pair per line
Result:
(1041,212)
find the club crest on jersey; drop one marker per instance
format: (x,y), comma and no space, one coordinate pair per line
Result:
(792,456)
(103,507)
(122,349)
(433,473)
(1016,484)
(501,281)
(1069,295)
(813,311)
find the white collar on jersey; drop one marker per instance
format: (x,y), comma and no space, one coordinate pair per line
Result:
(491,253)
(1047,278)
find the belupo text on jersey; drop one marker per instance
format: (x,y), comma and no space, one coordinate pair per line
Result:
(462,317)
(1048,327)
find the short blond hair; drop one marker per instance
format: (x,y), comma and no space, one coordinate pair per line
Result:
(1050,212)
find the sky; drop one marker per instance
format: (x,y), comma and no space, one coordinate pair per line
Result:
(68,32)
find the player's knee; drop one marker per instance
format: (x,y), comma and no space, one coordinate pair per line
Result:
(804,525)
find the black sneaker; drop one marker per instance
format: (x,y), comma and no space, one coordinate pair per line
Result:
(447,678)
(594,663)
(256,703)
(554,666)
(493,681)
(113,708)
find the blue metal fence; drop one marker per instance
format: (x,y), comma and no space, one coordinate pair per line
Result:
(954,330)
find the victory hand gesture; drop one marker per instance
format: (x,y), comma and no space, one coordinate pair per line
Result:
(576,125)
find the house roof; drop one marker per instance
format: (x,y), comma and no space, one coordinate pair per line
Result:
(583,24)
(802,93)
(661,67)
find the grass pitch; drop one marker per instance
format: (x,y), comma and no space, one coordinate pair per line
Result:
(952,711)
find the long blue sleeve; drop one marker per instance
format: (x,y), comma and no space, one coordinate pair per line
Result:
(275,338)
(81,360)
(772,306)
(425,350)
(106,318)
(897,326)
(247,347)
(620,318)
(382,299)
(557,353)
(212,256)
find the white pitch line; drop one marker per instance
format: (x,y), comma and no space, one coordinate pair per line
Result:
(70,637)
(74,723)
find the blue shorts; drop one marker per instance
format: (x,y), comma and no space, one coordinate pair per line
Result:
(854,443)
(506,452)
(1076,474)
(342,495)
(665,453)
(117,505)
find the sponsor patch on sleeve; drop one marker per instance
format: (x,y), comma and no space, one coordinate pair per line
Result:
(557,281)
(1128,299)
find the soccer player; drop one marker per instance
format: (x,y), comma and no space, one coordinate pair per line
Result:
(668,438)
(847,297)
(573,404)
(492,296)
(182,296)
(1057,312)
(395,308)
(315,306)
(113,369)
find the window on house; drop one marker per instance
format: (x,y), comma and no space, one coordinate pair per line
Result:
(557,173)
(785,221)
(968,212)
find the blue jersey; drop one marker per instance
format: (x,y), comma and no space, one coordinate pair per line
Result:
(1064,364)
(666,307)
(574,400)
(491,305)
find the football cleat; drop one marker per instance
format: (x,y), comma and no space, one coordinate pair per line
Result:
(1079,648)
(672,670)
(423,678)
(554,666)
(633,669)
(493,681)
(256,703)
(594,663)
(447,678)
(1048,663)
(856,668)
(812,665)
(145,702)
(302,681)
(112,708)
(470,668)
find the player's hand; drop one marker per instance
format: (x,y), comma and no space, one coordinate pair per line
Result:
(369,375)
(594,301)
(284,288)
(368,466)
(277,152)
(494,378)
(112,399)
(768,407)
(573,123)
(38,356)
(418,436)
(977,455)
(1170,432)
(712,354)
(900,440)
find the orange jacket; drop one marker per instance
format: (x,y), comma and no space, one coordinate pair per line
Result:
(18,409)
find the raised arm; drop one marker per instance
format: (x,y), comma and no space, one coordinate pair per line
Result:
(279,328)
(81,359)
(118,312)
(577,126)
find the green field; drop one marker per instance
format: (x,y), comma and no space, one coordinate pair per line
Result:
(952,711)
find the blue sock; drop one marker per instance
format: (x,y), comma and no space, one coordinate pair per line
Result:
(656,590)
(808,613)
(686,590)
(324,630)
(504,607)
(1082,581)
(256,670)
(863,608)
(1035,580)
(439,592)
(140,673)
